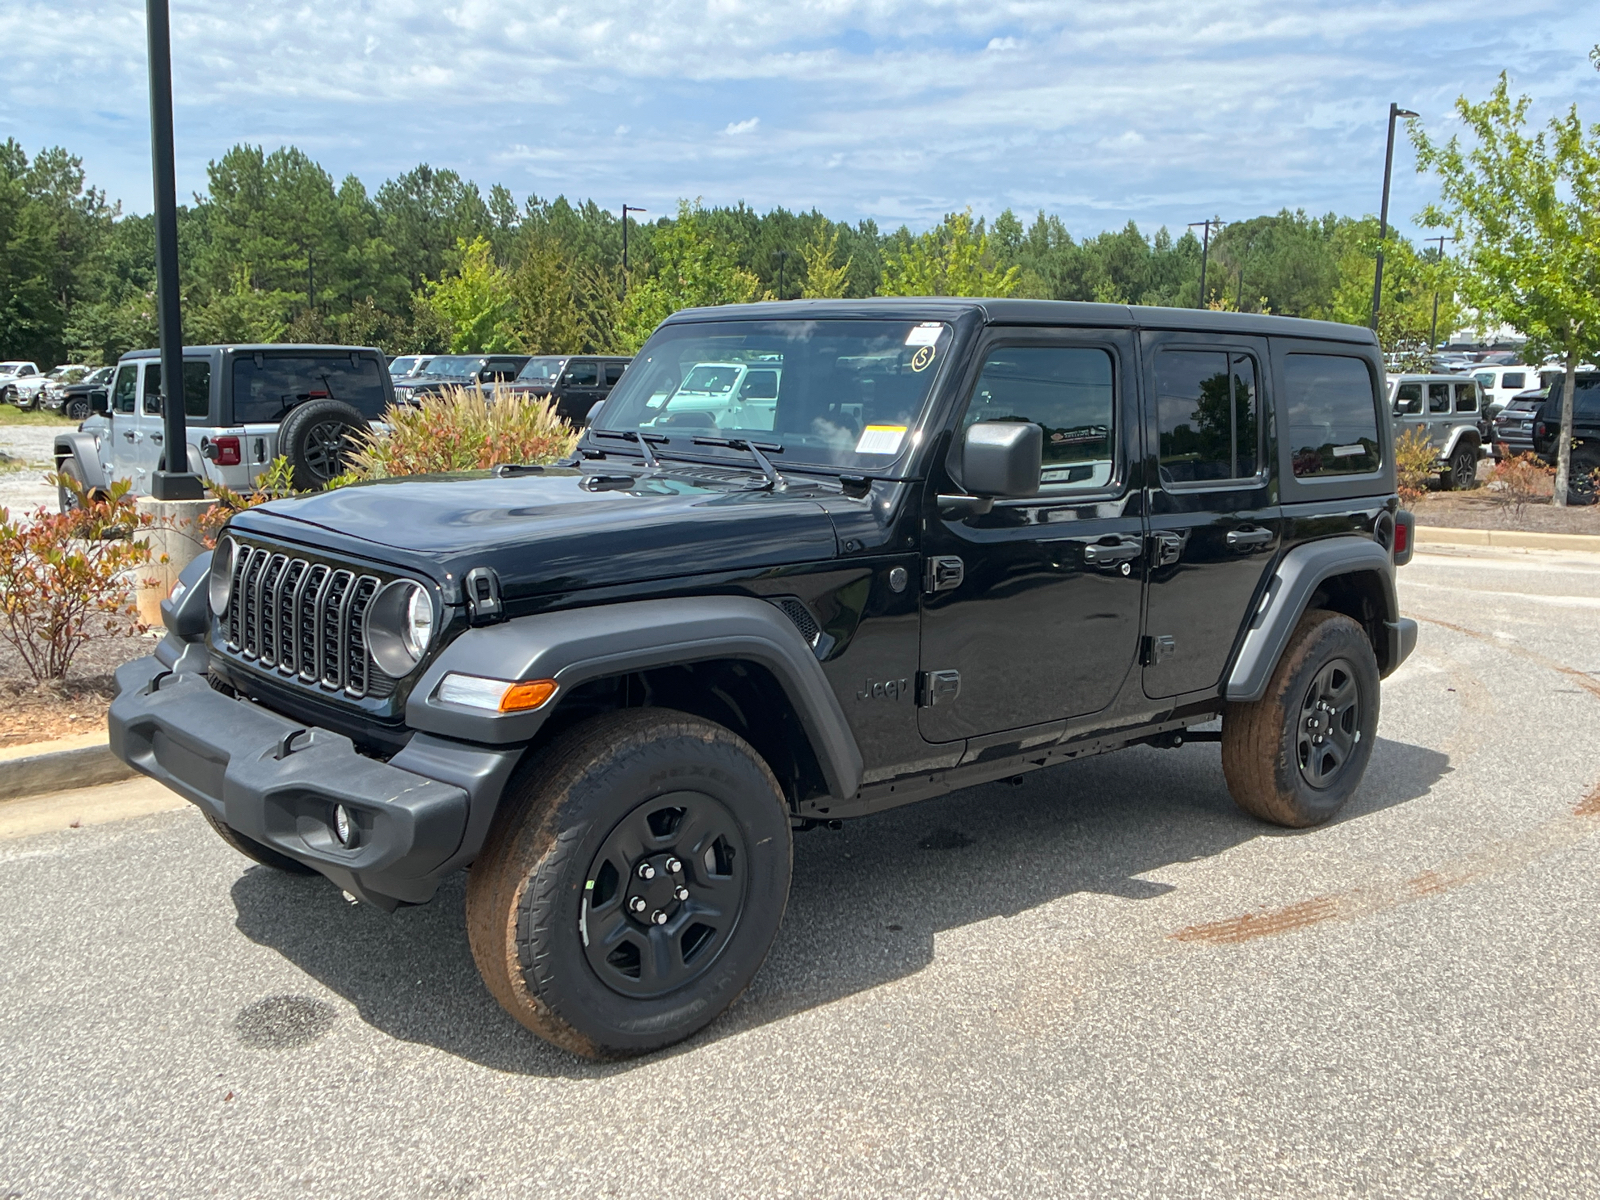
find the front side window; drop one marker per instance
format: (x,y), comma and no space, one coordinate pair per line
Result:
(1332,419)
(542,369)
(196,389)
(1207,415)
(122,395)
(267,386)
(584,374)
(1065,390)
(1438,397)
(849,393)
(1408,399)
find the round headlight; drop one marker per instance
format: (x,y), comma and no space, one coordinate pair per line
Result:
(399,626)
(219,581)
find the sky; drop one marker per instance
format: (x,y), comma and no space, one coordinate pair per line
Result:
(1157,111)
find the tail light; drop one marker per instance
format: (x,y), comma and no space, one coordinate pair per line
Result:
(226,452)
(1400,552)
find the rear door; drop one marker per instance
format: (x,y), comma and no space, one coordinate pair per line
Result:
(1031,611)
(1214,515)
(580,390)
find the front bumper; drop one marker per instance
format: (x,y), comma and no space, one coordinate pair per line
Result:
(277,781)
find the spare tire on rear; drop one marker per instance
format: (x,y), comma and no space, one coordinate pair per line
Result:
(317,437)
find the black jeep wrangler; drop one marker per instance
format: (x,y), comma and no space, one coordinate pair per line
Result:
(940,542)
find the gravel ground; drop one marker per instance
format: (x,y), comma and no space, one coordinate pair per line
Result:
(26,457)
(1104,982)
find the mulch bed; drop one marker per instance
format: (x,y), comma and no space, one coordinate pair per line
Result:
(31,712)
(1482,508)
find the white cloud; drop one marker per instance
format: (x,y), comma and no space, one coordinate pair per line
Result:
(1003,43)
(737,127)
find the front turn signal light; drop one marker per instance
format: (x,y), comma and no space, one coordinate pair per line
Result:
(495,695)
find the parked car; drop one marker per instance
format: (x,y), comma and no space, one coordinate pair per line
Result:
(1449,409)
(1585,460)
(245,405)
(1500,382)
(74,400)
(616,687)
(575,382)
(406,365)
(459,370)
(15,376)
(1513,426)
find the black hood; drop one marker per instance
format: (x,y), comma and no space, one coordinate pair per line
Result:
(562,530)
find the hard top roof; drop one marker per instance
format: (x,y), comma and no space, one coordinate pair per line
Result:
(1035,312)
(253,347)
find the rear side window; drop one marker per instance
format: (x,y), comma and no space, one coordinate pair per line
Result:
(614,372)
(266,386)
(1514,379)
(1466,397)
(1206,407)
(1332,420)
(196,388)
(1067,391)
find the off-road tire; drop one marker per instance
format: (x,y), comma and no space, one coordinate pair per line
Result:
(66,501)
(1261,743)
(250,848)
(1463,470)
(1580,475)
(316,437)
(77,408)
(528,892)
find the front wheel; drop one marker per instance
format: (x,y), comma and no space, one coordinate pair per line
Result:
(77,408)
(1463,470)
(633,884)
(1296,755)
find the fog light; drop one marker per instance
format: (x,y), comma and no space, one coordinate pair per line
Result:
(344,825)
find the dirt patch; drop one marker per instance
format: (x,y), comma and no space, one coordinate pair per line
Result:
(1481,508)
(31,712)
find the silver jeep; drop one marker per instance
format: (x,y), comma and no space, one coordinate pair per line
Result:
(1448,408)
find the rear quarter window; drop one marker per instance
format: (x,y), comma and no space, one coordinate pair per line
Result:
(267,386)
(1332,416)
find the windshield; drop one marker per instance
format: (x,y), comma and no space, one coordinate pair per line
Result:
(834,393)
(401,365)
(541,370)
(453,364)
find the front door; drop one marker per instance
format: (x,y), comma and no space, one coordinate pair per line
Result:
(1214,516)
(1030,611)
(120,452)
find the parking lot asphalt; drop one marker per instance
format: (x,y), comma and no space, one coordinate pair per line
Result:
(1105,981)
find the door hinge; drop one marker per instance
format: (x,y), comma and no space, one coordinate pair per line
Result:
(1154,649)
(943,572)
(1168,547)
(937,687)
(482,589)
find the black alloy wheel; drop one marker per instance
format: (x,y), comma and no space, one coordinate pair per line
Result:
(77,408)
(324,449)
(1582,484)
(1330,725)
(664,894)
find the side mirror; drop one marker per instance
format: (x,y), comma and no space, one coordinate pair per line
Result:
(100,403)
(1002,459)
(594,411)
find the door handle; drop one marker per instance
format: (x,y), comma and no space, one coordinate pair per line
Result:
(156,438)
(1099,554)
(131,436)
(1238,538)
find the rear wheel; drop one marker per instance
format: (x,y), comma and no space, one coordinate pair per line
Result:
(1463,469)
(1581,480)
(1296,755)
(250,848)
(632,886)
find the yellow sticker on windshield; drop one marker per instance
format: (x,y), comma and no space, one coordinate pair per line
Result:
(881,439)
(922,359)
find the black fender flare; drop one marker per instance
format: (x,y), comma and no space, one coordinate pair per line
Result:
(1293,583)
(576,645)
(80,447)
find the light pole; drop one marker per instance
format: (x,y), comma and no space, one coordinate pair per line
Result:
(175,482)
(626,209)
(1395,112)
(781,256)
(1433,329)
(1205,248)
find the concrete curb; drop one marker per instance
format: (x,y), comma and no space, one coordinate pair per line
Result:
(59,766)
(1507,539)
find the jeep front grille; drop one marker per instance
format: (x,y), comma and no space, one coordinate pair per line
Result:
(301,620)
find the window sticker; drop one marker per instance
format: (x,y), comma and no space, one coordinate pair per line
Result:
(1349,451)
(925,334)
(881,439)
(923,358)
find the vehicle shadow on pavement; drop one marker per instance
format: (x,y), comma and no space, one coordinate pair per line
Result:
(864,909)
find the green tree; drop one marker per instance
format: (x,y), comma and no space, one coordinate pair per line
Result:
(692,270)
(825,278)
(951,259)
(1411,280)
(475,302)
(1525,211)
(425,215)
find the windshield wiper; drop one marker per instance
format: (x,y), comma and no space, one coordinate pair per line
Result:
(774,480)
(644,440)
